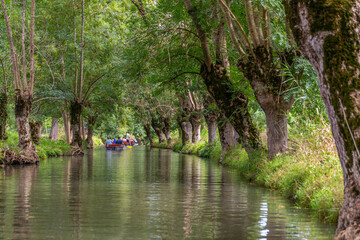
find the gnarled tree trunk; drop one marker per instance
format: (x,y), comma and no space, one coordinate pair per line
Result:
(35,128)
(75,121)
(3,115)
(23,106)
(54,131)
(67,126)
(328,33)
(232,105)
(195,120)
(211,118)
(167,129)
(267,83)
(226,135)
(185,129)
(158,130)
(147,129)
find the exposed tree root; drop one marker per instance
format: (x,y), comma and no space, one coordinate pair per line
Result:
(11,157)
(76,151)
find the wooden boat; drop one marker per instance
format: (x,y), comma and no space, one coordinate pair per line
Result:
(114,146)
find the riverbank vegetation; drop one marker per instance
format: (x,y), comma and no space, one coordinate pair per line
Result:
(236,81)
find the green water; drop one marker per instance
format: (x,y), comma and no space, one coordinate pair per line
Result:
(144,194)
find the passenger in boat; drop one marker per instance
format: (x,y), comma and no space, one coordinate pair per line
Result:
(119,141)
(108,141)
(114,141)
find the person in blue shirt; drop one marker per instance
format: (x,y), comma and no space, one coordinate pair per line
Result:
(114,142)
(108,141)
(119,141)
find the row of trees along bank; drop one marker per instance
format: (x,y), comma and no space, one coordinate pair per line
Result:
(219,49)
(240,67)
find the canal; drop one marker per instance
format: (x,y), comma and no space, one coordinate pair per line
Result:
(144,194)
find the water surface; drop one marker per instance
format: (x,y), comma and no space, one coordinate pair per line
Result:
(144,194)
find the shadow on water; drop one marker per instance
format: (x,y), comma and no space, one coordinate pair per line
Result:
(144,194)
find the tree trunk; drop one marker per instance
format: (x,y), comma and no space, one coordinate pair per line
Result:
(276,130)
(75,121)
(232,105)
(147,129)
(167,129)
(3,115)
(186,130)
(67,128)
(54,132)
(226,135)
(211,118)
(211,124)
(23,106)
(39,128)
(195,120)
(158,130)
(34,132)
(330,40)
(91,124)
(267,83)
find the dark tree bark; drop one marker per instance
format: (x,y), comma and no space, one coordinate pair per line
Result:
(266,81)
(167,129)
(35,128)
(54,132)
(195,120)
(328,34)
(147,129)
(75,121)
(226,135)
(158,129)
(91,124)
(23,106)
(3,115)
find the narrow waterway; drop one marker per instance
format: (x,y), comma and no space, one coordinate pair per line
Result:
(144,194)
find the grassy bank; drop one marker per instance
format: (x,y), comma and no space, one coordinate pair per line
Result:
(309,173)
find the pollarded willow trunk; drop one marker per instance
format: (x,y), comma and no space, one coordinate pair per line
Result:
(328,33)
(147,129)
(186,130)
(226,135)
(23,106)
(3,115)
(91,126)
(232,105)
(195,120)
(158,130)
(75,121)
(211,121)
(267,83)
(211,117)
(35,129)
(167,129)
(54,131)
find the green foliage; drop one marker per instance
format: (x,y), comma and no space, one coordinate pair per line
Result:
(52,148)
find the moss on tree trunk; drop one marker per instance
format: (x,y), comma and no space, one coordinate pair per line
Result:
(328,33)
(3,115)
